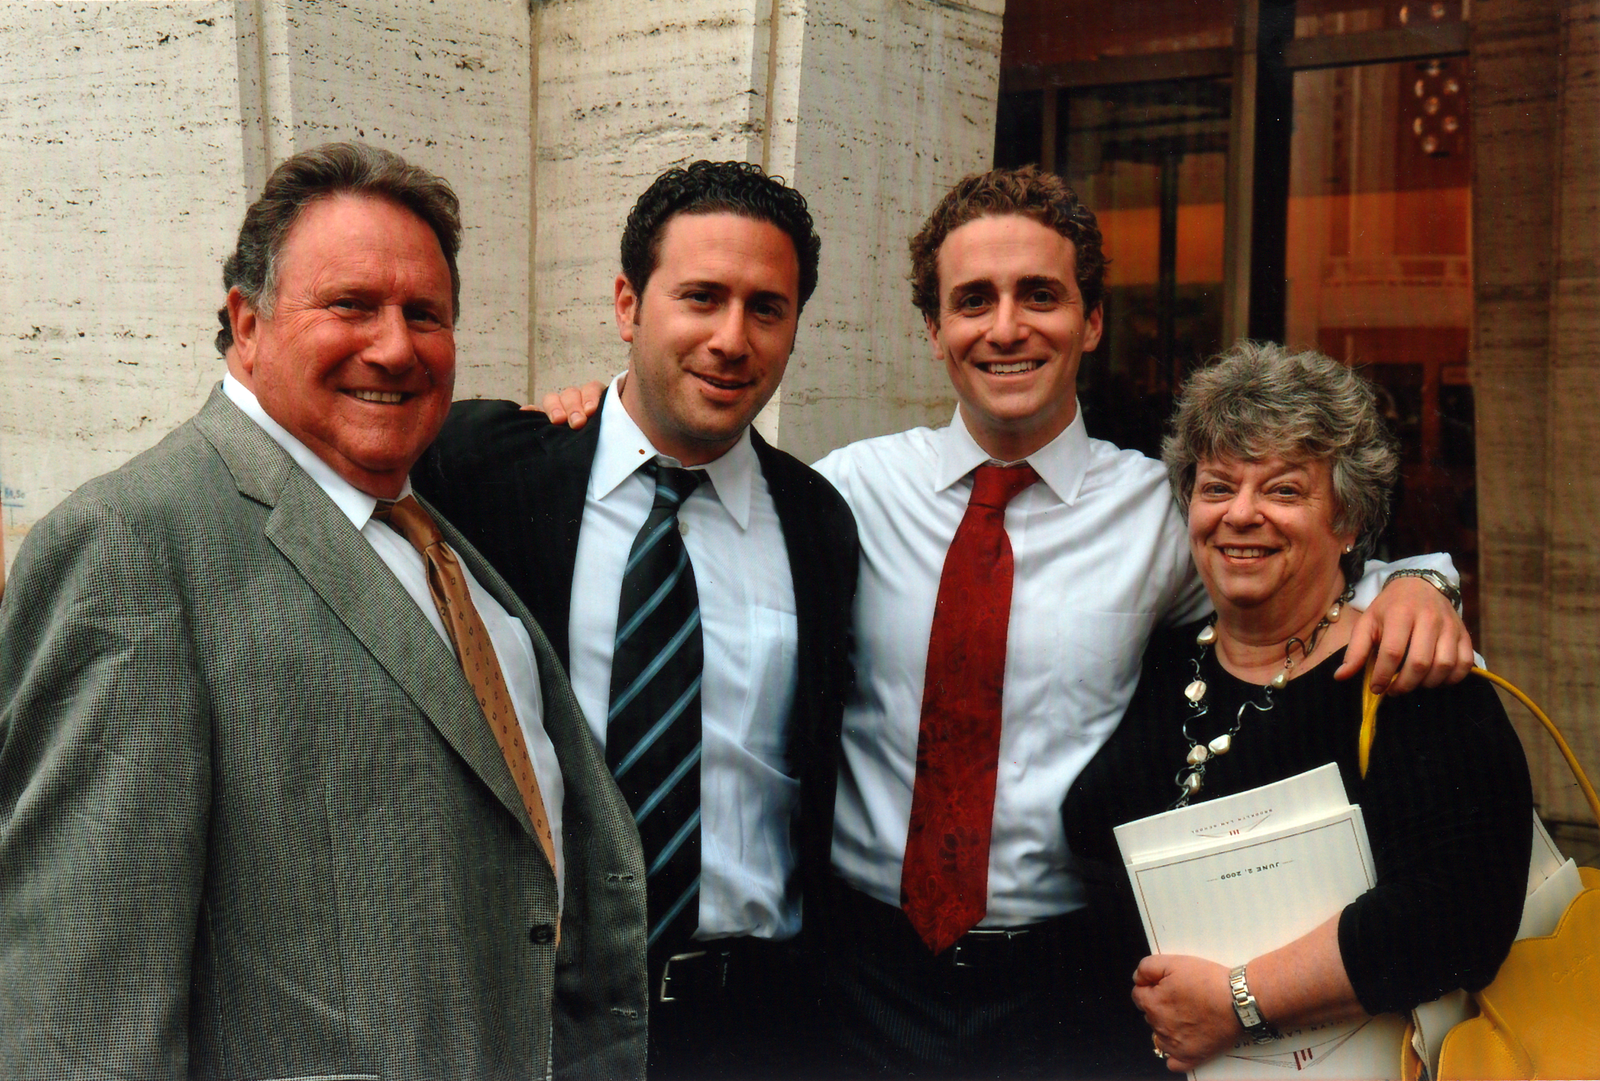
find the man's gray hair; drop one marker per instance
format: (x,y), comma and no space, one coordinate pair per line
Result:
(1259,401)
(318,173)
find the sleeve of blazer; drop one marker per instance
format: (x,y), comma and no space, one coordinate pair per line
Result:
(515,487)
(104,790)
(471,471)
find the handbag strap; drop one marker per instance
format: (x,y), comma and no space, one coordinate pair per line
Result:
(1369,729)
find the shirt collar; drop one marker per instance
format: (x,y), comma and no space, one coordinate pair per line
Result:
(1060,463)
(623,448)
(355,504)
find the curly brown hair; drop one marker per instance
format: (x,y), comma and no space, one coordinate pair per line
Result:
(1028,191)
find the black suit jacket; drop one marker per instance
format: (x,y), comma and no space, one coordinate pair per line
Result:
(515,485)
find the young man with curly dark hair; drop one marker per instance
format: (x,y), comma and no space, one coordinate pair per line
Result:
(716,689)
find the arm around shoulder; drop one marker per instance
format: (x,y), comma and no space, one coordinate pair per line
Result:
(1411,626)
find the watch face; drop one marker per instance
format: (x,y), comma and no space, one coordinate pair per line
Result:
(1244,1003)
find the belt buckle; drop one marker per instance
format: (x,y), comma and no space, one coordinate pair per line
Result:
(666,972)
(1005,934)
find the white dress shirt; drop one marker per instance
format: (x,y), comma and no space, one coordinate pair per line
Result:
(512,646)
(748,798)
(1101,557)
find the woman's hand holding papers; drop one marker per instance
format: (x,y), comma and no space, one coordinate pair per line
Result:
(1188,1002)
(1188,1005)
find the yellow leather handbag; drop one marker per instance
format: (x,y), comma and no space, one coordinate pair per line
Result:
(1540,1018)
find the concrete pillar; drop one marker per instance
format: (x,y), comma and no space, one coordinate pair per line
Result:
(871,108)
(1535,363)
(133,136)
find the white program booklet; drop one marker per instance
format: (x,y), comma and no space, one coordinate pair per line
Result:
(1232,878)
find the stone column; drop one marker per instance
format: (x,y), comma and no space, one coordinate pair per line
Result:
(120,178)
(133,136)
(1536,365)
(897,103)
(872,109)
(136,132)
(1574,485)
(446,85)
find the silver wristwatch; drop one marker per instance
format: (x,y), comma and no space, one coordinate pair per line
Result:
(1256,1027)
(1452,593)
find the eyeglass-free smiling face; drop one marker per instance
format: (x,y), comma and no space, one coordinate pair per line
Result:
(1262,535)
(1012,330)
(357,359)
(711,334)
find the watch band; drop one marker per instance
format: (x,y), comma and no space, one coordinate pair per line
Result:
(1451,591)
(1256,1027)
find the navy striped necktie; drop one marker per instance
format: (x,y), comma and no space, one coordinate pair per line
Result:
(653,726)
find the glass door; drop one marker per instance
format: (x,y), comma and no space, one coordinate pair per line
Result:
(1379,272)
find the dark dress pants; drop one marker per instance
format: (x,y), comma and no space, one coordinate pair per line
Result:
(1050,1000)
(743,1009)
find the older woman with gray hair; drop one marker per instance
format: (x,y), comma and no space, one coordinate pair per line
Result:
(1284,466)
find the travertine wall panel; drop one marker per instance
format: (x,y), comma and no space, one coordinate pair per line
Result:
(1575,401)
(1536,229)
(120,179)
(447,85)
(897,102)
(1514,89)
(132,135)
(624,92)
(870,108)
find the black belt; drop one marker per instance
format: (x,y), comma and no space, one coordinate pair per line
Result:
(722,966)
(981,947)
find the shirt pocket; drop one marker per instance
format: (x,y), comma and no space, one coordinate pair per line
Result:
(773,645)
(1096,657)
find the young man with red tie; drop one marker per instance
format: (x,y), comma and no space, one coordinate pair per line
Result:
(1012,569)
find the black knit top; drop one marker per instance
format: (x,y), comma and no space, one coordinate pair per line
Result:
(1446,801)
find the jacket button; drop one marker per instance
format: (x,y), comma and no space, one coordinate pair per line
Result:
(541,934)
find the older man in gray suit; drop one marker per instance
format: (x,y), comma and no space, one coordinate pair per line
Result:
(256,820)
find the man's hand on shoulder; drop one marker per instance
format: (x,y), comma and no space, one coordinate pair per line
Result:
(1420,640)
(572,406)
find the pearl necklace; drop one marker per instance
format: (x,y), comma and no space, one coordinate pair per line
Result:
(1191,778)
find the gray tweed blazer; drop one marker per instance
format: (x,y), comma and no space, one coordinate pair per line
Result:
(252,822)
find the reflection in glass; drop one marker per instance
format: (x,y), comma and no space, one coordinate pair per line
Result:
(1380,272)
(1323,18)
(1044,32)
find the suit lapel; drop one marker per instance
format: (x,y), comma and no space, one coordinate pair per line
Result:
(343,570)
(563,718)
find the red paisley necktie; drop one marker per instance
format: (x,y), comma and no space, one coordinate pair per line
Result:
(944,883)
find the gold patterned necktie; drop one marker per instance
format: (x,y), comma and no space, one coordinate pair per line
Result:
(447,584)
